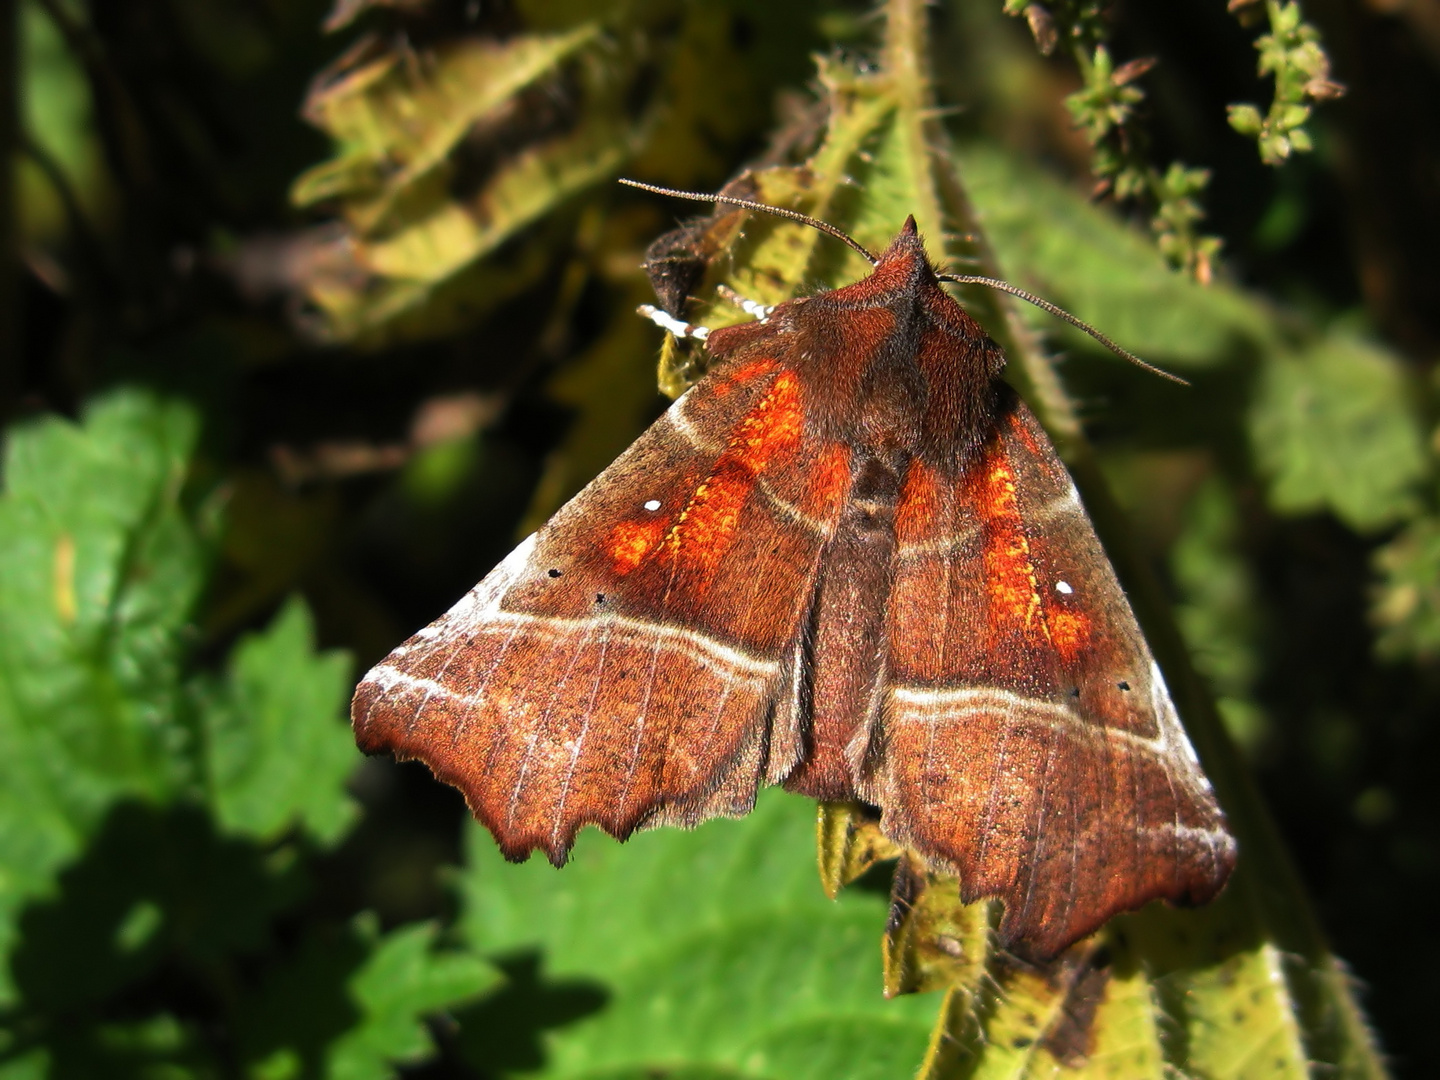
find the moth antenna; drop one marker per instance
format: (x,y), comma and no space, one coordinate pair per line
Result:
(1061,313)
(959,279)
(764,208)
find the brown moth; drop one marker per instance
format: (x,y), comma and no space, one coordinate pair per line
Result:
(848,561)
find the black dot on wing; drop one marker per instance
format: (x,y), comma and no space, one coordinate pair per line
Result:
(1075,691)
(599,597)
(553,572)
(1123,685)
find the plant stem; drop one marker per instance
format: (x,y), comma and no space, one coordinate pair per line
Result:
(1266,895)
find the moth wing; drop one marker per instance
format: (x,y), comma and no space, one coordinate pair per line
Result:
(628,664)
(1028,740)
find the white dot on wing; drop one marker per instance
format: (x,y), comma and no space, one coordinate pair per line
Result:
(1063,587)
(652,504)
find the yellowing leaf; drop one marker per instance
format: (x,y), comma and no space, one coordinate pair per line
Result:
(443,155)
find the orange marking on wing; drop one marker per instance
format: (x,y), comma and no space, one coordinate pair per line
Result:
(1023,433)
(1069,632)
(915,515)
(829,484)
(630,541)
(1009,573)
(772,427)
(1015,596)
(754,369)
(706,527)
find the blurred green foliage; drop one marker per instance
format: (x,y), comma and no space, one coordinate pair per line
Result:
(338,302)
(158,826)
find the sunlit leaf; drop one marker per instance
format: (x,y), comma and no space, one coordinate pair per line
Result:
(98,576)
(714,950)
(277,750)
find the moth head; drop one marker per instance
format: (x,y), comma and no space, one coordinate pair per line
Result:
(907,241)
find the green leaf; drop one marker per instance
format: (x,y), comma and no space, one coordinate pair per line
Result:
(1292,116)
(404,980)
(1334,428)
(1274,148)
(350,1003)
(713,951)
(57,115)
(114,869)
(1242,1018)
(1106,273)
(1245,119)
(98,576)
(277,752)
(154,885)
(1406,605)
(1219,611)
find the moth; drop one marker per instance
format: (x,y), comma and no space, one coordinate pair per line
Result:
(847,561)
